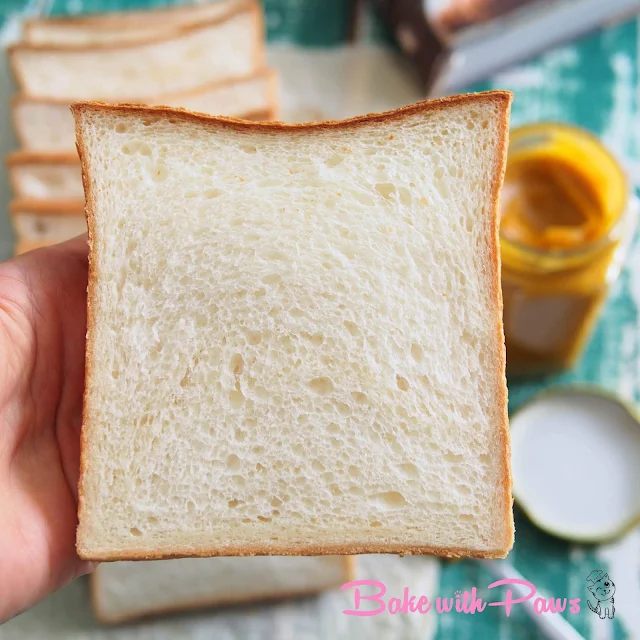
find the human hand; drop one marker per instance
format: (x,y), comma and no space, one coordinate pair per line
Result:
(42,337)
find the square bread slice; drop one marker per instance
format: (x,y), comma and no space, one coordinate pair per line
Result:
(182,59)
(118,27)
(295,339)
(125,591)
(46,125)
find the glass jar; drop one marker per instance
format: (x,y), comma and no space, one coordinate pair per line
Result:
(566,222)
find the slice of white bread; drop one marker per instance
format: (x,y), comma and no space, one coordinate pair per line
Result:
(295,339)
(184,59)
(47,176)
(47,125)
(127,26)
(38,222)
(122,591)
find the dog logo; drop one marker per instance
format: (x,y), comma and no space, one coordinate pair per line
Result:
(602,589)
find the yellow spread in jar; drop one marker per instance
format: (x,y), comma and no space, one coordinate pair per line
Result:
(562,200)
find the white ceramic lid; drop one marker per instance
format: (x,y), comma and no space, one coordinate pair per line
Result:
(576,464)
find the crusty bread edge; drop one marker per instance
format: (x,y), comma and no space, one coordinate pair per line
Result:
(501,99)
(499,367)
(348,574)
(353,549)
(110,19)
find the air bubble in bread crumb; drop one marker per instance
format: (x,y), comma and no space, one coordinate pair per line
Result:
(405,196)
(388,500)
(237,364)
(159,173)
(253,337)
(409,470)
(385,189)
(344,409)
(359,397)
(402,383)
(321,386)
(236,398)
(134,531)
(351,327)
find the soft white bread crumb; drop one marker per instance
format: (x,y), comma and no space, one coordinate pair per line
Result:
(182,60)
(129,590)
(116,28)
(295,338)
(47,125)
(45,176)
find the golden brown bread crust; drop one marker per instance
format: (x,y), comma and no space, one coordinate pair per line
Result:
(349,563)
(291,550)
(502,101)
(499,367)
(47,207)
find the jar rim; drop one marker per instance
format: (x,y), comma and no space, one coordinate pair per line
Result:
(621,217)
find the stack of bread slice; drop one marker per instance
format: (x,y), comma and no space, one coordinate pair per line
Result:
(207,57)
